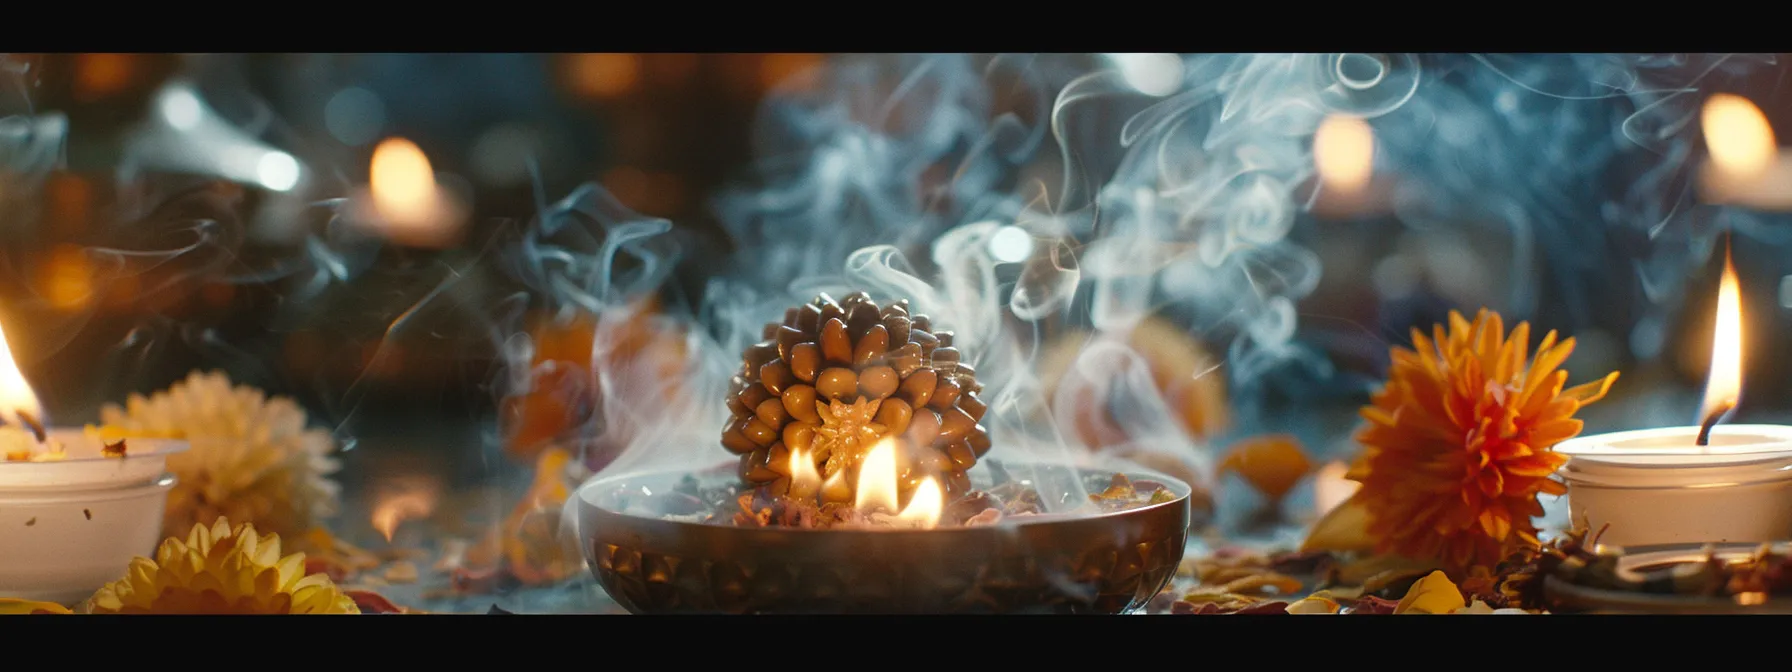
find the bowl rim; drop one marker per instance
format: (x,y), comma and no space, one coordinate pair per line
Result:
(1182,499)
(159,447)
(41,496)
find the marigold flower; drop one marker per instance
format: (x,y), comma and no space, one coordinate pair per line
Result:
(221,570)
(252,459)
(1459,443)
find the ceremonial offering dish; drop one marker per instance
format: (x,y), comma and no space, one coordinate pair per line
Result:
(647,541)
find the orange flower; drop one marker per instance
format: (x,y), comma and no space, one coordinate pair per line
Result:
(1460,441)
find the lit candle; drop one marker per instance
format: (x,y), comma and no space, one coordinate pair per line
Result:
(1344,159)
(74,508)
(404,203)
(1695,484)
(1746,167)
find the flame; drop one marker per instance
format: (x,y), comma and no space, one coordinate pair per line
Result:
(1331,488)
(877,478)
(15,392)
(877,490)
(408,501)
(1738,136)
(1724,388)
(405,195)
(1344,153)
(924,508)
(805,481)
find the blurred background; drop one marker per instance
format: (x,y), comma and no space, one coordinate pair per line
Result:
(163,213)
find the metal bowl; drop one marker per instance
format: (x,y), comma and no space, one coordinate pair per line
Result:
(1100,563)
(1565,596)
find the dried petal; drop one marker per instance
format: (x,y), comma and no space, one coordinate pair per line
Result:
(16,607)
(1434,594)
(1280,584)
(373,603)
(1314,605)
(1344,529)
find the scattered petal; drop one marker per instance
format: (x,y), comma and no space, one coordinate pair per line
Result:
(1314,605)
(1433,594)
(17,607)
(1343,530)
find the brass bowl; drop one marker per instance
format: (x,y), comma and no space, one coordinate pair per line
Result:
(1100,563)
(1565,596)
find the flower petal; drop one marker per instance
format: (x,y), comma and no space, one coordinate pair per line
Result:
(1588,393)
(16,607)
(1434,594)
(1344,529)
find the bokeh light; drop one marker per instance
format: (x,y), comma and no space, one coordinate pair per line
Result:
(354,116)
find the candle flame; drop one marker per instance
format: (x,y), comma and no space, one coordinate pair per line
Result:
(1344,153)
(1738,136)
(404,184)
(409,204)
(1724,387)
(15,392)
(877,490)
(924,508)
(805,481)
(877,478)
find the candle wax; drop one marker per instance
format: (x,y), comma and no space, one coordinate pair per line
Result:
(69,525)
(1659,486)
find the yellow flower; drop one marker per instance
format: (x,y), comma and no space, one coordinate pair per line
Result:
(10,606)
(251,459)
(1433,594)
(221,570)
(1459,443)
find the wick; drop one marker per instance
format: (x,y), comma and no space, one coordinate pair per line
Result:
(1717,415)
(36,427)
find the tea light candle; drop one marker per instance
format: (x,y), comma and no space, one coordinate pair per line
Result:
(403,202)
(1346,185)
(1746,167)
(74,509)
(1709,483)
(1656,486)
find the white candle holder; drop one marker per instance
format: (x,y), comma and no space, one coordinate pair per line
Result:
(69,526)
(1658,486)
